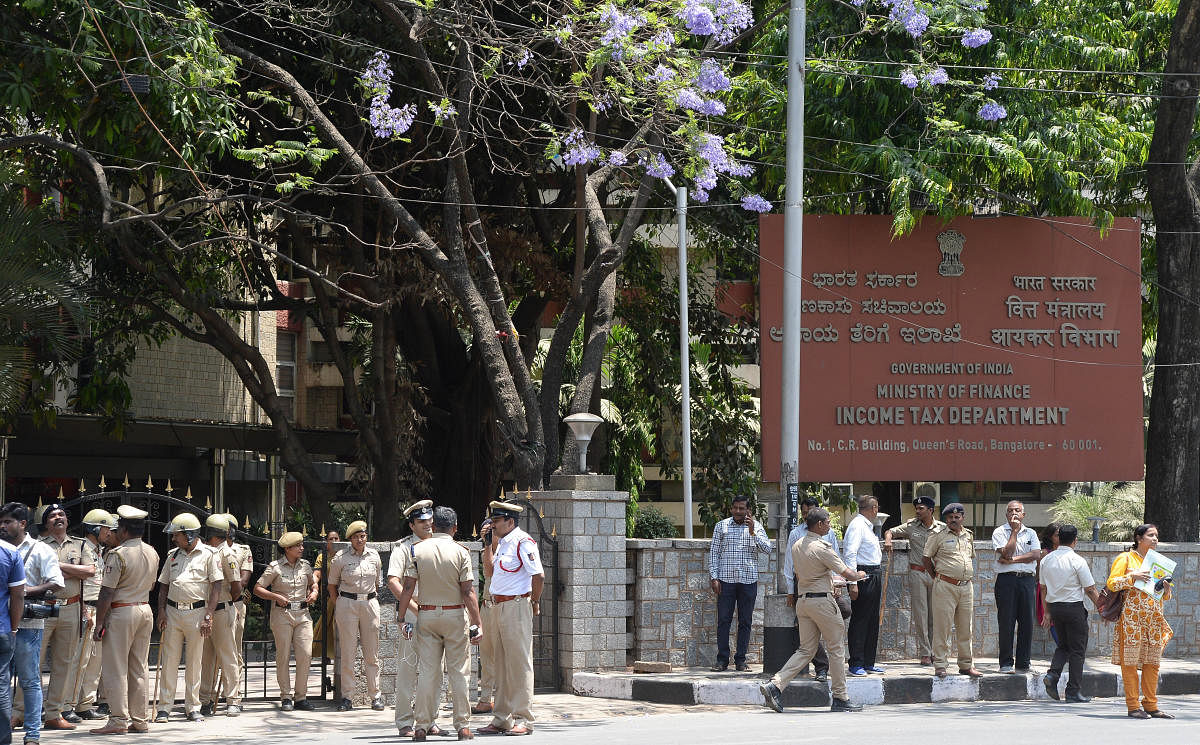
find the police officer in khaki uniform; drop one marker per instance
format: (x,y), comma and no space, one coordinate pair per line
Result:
(245,557)
(443,570)
(420,521)
(220,648)
(189,588)
(817,614)
(289,583)
(920,584)
(99,534)
(60,637)
(355,576)
(487,643)
(950,561)
(124,623)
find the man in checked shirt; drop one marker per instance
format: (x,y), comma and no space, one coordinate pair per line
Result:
(733,567)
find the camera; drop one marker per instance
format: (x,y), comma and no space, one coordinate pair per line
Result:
(39,610)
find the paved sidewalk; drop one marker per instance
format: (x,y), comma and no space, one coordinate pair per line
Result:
(904,682)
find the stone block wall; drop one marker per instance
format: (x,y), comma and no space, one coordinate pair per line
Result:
(589,522)
(674,611)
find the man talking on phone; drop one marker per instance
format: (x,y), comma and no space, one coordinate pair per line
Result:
(733,568)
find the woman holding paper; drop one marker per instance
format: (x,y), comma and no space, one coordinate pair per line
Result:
(1142,631)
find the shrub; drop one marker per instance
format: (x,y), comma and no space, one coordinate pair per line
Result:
(1122,504)
(651,522)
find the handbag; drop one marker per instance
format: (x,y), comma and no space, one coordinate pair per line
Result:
(1110,604)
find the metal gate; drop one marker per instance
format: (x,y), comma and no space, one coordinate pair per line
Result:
(547,673)
(258,654)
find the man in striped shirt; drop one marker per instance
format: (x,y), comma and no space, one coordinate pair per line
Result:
(733,568)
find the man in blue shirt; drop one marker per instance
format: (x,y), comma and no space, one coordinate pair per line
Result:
(733,568)
(12,605)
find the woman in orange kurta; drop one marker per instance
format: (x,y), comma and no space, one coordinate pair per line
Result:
(1142,631)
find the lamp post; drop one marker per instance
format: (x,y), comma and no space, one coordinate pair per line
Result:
(582,427)
(880,519)
(1096,522)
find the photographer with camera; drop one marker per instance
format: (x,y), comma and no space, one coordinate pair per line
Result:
(43,578)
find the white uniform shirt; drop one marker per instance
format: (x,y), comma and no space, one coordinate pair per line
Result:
(515,564)
(1027,540)
(1065,575)
(41,566)
(860,547)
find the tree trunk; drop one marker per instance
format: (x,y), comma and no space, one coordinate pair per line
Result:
(1173,448)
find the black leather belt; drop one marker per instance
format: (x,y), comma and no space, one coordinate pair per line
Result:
(816,594)
(92,603)
(869,568)
(357,595)
(294,605)
(186,606)
(221,606)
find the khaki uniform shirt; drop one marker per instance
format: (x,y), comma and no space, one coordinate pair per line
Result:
(290,580)
(228,561)
(357,573)
(813,560)
(952,555)
(400,559)
(70,551)
(915,532)
(189,576)
(91,557)
(440,565)
(130,569)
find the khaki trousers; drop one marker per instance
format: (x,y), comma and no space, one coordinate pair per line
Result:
(920,593)
(293,632)
(487,654)
(60,645)
(816,619)
(442,632)
(513,620)
(126,677)
(83,693)
(220,654)
(239,632)
(358,622)
(953,605)
(183,627)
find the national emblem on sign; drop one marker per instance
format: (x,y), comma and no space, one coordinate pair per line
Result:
(950,243)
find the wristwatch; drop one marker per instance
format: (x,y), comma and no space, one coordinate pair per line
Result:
(207,616)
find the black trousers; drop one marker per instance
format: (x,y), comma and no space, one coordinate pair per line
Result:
(1015,598)
(1071,623)
(862,636)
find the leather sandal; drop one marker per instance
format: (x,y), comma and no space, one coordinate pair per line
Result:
(491,729)
(520,729)
(1138,714)
(483,707)
(1156,714)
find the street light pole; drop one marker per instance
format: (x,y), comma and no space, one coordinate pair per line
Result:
(685,366)
(779,635)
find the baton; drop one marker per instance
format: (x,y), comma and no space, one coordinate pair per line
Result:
(887,573)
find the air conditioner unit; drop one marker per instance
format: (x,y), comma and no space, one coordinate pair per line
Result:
(927,489)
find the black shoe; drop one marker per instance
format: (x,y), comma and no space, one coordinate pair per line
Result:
(304,705)
(772,698)
(1051,684)
(844,705)
(286,705)
(1078,698)
(377,703)
(91,715)
(345,705)
(103,709)
(207,709)
(162,716)
(71,717)
(742,667)
(195,716)
(719,667)
(822,675)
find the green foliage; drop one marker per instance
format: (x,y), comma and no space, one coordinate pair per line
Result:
(42,311)
(1122,504)
(651,522)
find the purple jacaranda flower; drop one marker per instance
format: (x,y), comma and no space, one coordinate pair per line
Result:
(992,112)
(620,24)
(755,203)
(916,23)
(991,81)
(617,158)
(711,78)
(661,74)
(908,79)
(976,37)
(937,76)
(657,166)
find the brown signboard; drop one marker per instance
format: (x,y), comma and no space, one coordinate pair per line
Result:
(1004,349)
